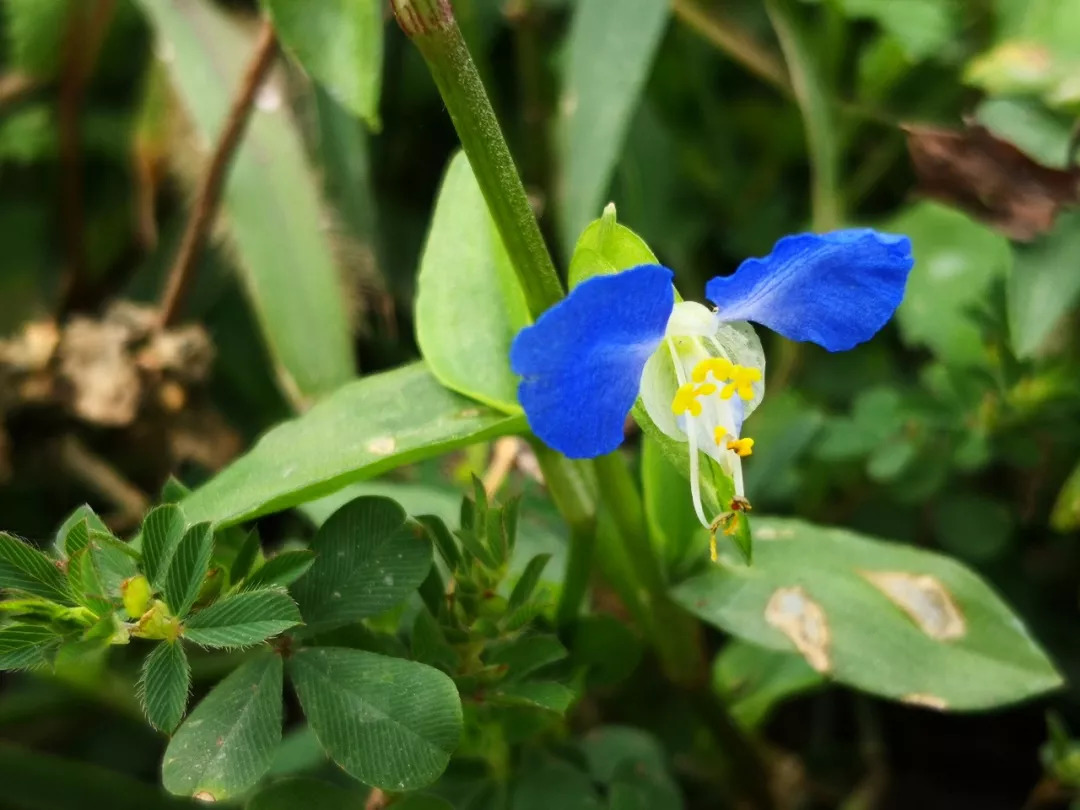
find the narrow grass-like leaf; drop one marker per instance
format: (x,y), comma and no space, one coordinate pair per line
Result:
(610,54)
(390,723)
(370,557)
(26,646)
(243,619)
(164,685)
(391,419)
(889,619)
(26,570)
(227,743)
(528,581)
(339,42)
(282,569)
(271,201)
(162,531)
(188,568)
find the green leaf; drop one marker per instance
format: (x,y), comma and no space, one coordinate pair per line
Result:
(74,533)
(390,723)
(164,685)
(896,621)
(606,247)
(469,305)
(188,568)
(1044,284)
(753,680)
(956,262)
(227,743)
(1029,126)
(526,654)
(243,619)
(35,35)
(271,201)
(923,27)
(84,582)
(26,570)
(669,509)
(369,558)
(608,647)
(162,531)
(610,53)
(546,695)
(282,569)
(1066,514)
(174,490)
(553,783)
(528,581)
(391,419)
(310,794)
(26,646)
(633,766)
(340,43)
(246,556)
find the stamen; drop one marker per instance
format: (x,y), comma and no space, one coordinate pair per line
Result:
(720,367)
(695,483)
(742,447)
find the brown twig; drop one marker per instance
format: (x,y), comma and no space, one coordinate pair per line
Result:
(208,195)
(503,458)
(376,800)
(82,41)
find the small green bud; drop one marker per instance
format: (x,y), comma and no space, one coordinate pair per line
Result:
(157,622)
(137,595)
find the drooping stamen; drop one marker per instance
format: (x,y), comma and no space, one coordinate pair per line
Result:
(742,381)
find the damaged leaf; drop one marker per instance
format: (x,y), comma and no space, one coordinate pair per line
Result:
(990,178)
(889,619)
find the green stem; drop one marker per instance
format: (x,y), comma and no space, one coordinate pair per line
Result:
(432,27)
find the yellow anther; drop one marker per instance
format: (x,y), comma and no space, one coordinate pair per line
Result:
(705,389)
(686,400)
(720,367)
(742,381)
(742,447)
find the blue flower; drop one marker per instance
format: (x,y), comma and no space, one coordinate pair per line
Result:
(699,372)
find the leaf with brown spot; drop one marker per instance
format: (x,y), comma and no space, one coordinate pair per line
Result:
(882,617)
(924,599)
(975,171)
(801,619)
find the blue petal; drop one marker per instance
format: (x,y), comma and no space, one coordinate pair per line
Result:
(581,362)
(835,289)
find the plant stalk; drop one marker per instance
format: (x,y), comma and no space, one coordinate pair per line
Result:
(431,25)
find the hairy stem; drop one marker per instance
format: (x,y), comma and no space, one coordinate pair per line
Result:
(212,183)
(432,27)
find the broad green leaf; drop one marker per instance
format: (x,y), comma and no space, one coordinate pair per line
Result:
(633,766)
(390,723)
(752,680)
(26,570)
(1044,284)
(369,557)
(282,569)
(243,619)
(340,43)
(188,568)
(469,305)
(310,794)
(164,685)
(812,94)
(227,743)
(162,531)
(546,695)
(526,654)
(74,533)
(889,619)
(367,427)
(606,247)
(956,262)
(1066,514)
(271,201)
(609,56)
(34,35)
(26,646)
